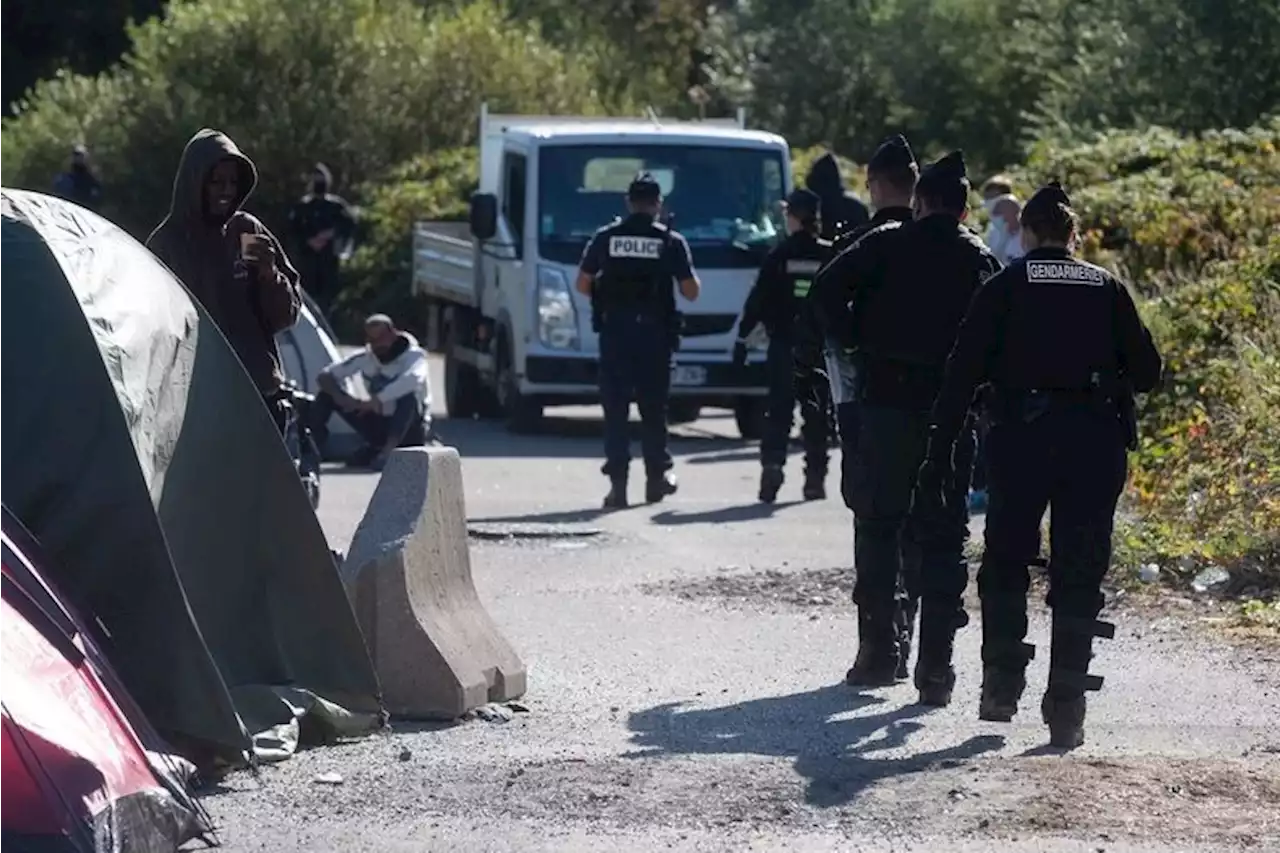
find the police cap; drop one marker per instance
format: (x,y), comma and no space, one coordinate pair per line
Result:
(1046,198)
(945,174)
(802,203)
(644,188)
(893,155)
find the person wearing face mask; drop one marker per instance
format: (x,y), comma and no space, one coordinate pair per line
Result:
(323,227)
(1063,348)
(1004,233)
(1004,238)
(780,289)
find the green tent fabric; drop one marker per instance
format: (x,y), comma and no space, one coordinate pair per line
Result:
(137,450)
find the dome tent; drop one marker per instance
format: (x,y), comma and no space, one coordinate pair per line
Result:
(137,450)
(82,770)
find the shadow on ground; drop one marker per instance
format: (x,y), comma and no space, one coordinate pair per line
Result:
(667,517)
(568,516)
(723,515)
(561,437)
(832,733)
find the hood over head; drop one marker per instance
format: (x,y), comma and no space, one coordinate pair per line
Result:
(204,151)
(824,176)
(321,181)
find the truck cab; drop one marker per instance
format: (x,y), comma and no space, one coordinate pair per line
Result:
(517,336)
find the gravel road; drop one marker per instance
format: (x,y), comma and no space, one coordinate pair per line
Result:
(685,667)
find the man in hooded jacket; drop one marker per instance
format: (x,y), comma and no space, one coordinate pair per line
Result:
(839,209)
(228,259)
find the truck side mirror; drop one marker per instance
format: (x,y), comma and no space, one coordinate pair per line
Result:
(484,216)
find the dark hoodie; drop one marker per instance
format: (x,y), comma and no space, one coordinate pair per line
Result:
(206,258)
(840,210)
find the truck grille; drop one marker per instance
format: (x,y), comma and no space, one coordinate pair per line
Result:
(698,325)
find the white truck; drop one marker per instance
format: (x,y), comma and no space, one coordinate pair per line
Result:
(516,334)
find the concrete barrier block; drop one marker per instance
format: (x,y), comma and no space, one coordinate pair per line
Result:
(438,652)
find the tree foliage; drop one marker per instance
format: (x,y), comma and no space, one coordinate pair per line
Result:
(361,84)
(41,38)
(989,76)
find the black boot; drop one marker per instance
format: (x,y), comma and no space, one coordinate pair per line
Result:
(1064,705)
(771,478)
(935,678)
(1065,719)
(815,485)
(905,625)
(617,497)
(877,660)
(1002,687)
(659,486)
(1004,654)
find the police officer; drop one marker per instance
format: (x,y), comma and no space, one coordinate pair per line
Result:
(903,290)
(891,181)
(1063,348)
(783,283)
(323,227)
(627,270)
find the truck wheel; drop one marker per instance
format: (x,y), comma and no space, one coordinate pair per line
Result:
(749,413)
(522,414)
(461,388)
(683,411)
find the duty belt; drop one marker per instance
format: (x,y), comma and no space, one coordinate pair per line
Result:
(1028,404)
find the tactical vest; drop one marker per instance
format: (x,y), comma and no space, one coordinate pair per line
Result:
(634,275)
(800,272)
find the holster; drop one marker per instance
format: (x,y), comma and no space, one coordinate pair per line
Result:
(675,326)
(597,317)
(1027,407)
(1128,417)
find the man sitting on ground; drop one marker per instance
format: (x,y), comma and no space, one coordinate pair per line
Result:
(398,411)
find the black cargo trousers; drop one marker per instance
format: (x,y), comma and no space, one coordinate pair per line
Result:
(1070,458)
(786,388)
(900,562)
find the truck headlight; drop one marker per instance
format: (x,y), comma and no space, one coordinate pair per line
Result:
(557,316)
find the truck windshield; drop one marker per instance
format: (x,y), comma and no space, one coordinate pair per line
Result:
(725,201)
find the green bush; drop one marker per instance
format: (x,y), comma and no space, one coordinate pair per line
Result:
(378,277)
(361,84)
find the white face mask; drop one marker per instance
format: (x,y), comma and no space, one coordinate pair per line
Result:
(997,235)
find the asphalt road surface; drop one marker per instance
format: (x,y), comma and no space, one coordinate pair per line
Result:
(686,666)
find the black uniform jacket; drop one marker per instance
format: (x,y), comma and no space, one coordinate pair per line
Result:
(1050,322)
(785,279)
(897,297)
